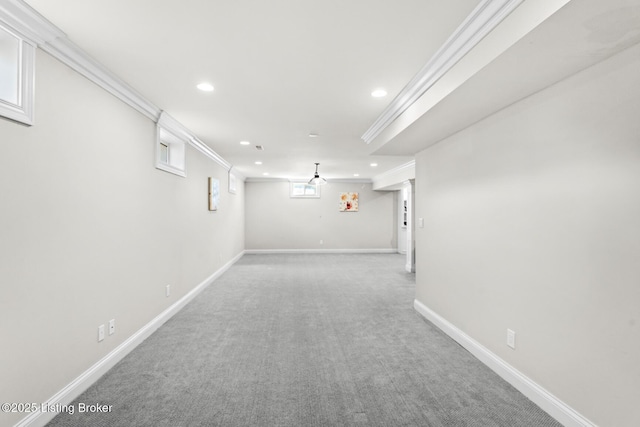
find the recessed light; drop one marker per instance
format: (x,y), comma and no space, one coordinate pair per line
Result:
(373,165)
(356,174)
(205,87)
(313,135)
(379,93)
(266,173)
(258,162)
(245,143)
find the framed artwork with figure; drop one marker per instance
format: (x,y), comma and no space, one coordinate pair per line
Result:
(348,202)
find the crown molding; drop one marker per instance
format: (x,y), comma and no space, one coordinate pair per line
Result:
(394,179)
(239,175)
(207,151)
(349,181)
(67,52)
(407,167)
(29,23)
(171,125)
(168,123)
(260,179)
(484,18)
(329,180)
(35,27)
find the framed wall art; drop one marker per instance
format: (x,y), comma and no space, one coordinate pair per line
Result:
(348,202)
(214,194)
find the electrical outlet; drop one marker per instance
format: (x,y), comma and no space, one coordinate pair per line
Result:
(168,290)
(112,326)
(100,333)
(511,339)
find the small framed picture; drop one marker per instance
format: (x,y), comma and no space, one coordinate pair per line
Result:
(214,194)
(348,202)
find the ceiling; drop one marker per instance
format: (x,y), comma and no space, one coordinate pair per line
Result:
(576,36)
(281,70)
(286,68)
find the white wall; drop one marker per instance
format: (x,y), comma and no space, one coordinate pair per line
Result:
(276,221)
(532,222)
(91,231)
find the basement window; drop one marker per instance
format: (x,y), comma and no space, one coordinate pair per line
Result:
(17,57)
(170,153)
(164,153)
(304,190)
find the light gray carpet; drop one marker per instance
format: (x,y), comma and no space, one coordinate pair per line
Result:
(305,340)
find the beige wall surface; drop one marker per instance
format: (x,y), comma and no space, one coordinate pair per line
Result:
(92,231)
(532,222)
(276,221)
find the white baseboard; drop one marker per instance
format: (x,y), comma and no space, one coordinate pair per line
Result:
(538,395)
(74,389)
(320,251)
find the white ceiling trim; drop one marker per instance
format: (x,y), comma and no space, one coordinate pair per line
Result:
(259,179)
(54,41)
(239,175)
(170,124)
(36,28)
(29,23)
(485,17)
(70,54)
(395,177)
(409,166)
(207,151)
(329,180)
